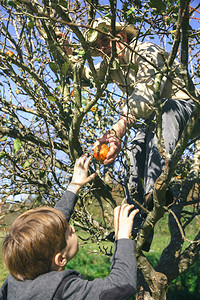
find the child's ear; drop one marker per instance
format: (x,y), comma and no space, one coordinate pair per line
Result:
(58,262)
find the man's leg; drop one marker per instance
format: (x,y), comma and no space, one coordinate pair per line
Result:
(145,159)
(135,174)
(174,118)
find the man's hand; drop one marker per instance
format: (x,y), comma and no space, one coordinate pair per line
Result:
(113,137)
(123,221)
(61,36)
(115,145)
(80,176)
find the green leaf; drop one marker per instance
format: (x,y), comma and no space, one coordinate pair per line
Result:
(115,65)
(2,154)
(42,174)
(81,52)
(65,68)
(12,3)
(38,59)
(64,3)
(158,4)
(53,66)
(92,36)
(58,89)
(30,24)
(51,98)
(28,163)
(17,145)
(84,101)
(130,10)
(142,181)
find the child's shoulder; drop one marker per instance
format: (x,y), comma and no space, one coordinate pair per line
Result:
(66,279)
(3,290)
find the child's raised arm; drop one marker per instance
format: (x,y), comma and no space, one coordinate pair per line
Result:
(123,221)
(80,176)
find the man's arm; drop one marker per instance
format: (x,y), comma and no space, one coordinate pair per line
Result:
(114,136)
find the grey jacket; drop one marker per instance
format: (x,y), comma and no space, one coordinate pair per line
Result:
(68,284)
(136,78)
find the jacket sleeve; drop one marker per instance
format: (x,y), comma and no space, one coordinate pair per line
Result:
(3,290)
(120,284)
(101,69)
(67,203)
(149,60)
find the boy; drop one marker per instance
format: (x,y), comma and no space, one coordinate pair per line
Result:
(41,242)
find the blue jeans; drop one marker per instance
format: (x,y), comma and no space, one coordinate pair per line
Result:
(146,164)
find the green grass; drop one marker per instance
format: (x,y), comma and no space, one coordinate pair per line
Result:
(91,266)
(89,262)
(3,271)
(187,285)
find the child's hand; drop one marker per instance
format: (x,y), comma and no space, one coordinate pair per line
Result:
(80,176)
(123,221)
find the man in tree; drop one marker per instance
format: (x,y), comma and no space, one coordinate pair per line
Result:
(137,66)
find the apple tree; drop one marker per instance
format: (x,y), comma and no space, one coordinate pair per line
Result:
(50,115)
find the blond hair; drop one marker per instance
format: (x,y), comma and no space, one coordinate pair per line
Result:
(33,240)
